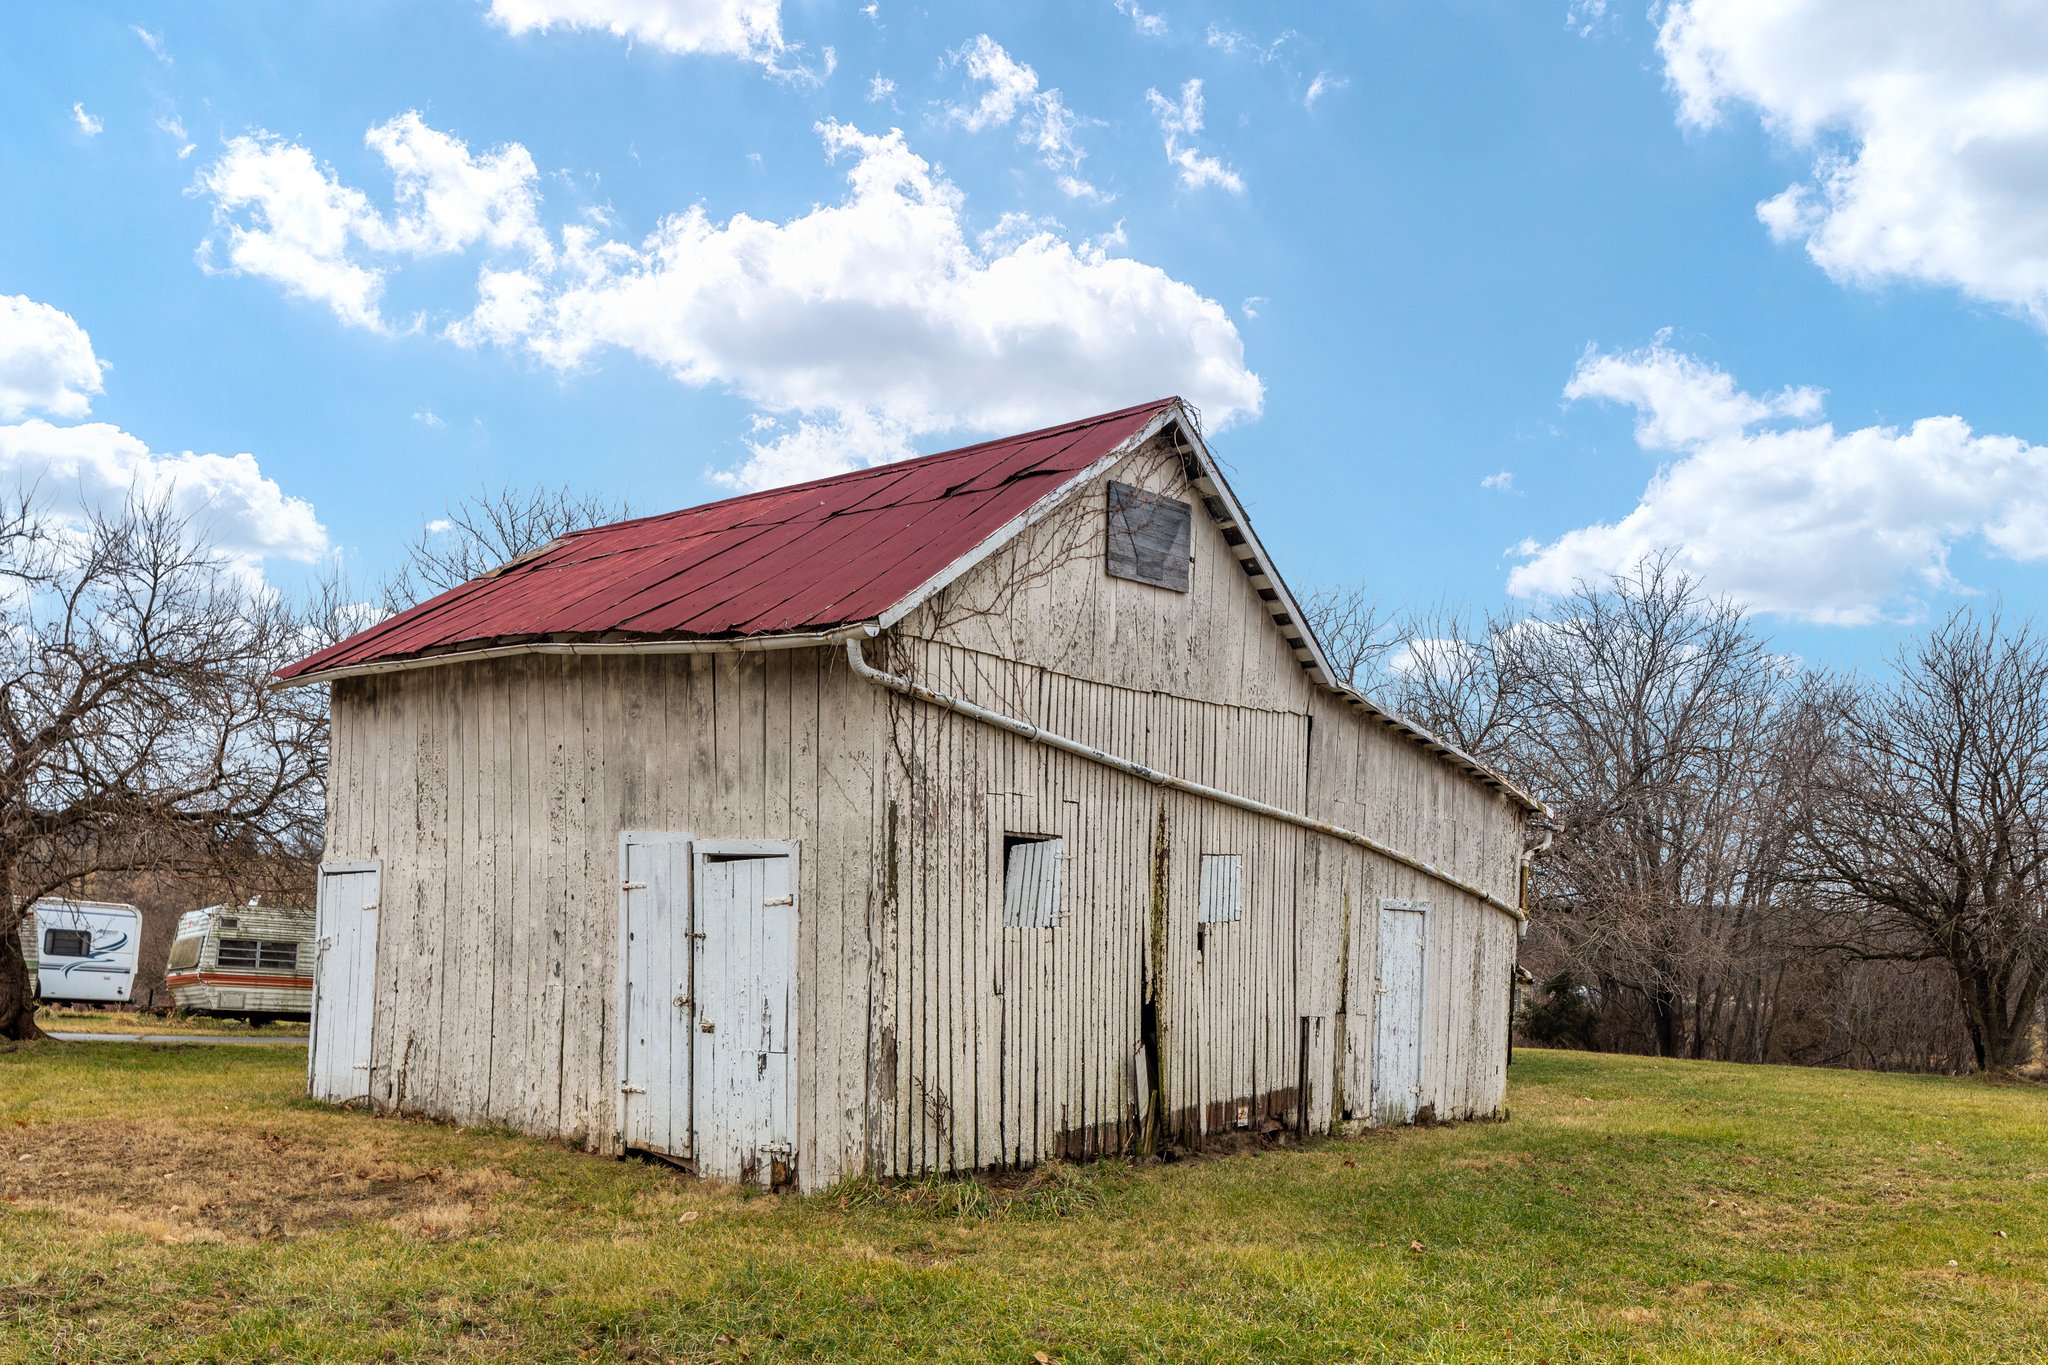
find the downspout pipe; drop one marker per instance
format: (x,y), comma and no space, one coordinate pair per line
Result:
(857,661)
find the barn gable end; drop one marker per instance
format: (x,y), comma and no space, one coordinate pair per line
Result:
(1253,1016)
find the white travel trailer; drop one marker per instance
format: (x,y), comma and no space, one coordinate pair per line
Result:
(82,951)
(251,961)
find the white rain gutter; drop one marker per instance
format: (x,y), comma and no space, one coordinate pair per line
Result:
(744,644)
(1024,729)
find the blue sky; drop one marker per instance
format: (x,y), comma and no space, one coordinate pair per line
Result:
(1452,282)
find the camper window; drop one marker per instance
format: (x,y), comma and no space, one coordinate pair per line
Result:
(258,954)
(67,943)
(184,954)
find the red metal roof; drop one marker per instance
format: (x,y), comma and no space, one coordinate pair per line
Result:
(803,558)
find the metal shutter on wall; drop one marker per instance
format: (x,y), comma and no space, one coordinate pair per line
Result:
(1031,883)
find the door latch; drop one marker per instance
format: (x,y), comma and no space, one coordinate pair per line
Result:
(632,1090)
(708,1027)
(684,1002)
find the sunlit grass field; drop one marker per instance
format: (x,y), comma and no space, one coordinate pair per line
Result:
(180,1203)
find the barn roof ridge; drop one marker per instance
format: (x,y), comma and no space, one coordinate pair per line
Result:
(893,468)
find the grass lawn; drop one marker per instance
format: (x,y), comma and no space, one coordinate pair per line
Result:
(75,1019)
(181,1204)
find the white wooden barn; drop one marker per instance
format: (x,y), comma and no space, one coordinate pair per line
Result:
(957,813)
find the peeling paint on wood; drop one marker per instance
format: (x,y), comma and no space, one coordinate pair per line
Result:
(924,1034)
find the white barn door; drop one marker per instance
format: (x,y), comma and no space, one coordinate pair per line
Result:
(657,1011)
(744,1085)
(1403,949)
(344,982)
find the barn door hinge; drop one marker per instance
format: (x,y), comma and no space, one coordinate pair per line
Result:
(632,886)
(781,900)
(632,1090)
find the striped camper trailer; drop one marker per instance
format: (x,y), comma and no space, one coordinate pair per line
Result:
(251,961)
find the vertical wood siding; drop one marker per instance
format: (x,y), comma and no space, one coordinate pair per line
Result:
(931,1036)
(494,794)
(1014,1045)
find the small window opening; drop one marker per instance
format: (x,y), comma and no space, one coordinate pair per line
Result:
(67,943)
(1031,881)
(1222,890)
(184,954)
(1150,538)
(277,957)
(238,952)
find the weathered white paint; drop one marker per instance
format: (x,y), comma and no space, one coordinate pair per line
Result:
(746,963)
(338,1056)
(657,1013)
(1397,1067)
(925,1034)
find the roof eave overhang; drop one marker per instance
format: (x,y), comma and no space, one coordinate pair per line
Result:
(727,644)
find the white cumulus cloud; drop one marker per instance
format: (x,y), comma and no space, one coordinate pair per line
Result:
(1927,123)
(286,217)
(730,28)
(855,329)
(1179,121)
(174,127)
(1584,16)
(1011,94)
(1765,500)
(47,363)
(153,41)
(242,512)
(89,124)
(1150,24)
(877,319)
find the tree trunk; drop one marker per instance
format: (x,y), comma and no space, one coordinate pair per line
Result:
(1670,1024)
(17,992)
(1997,1039)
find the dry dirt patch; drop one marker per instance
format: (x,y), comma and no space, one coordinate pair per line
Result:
(233,1185)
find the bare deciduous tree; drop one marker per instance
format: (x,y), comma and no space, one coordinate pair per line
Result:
(1928,822)
(1654,720)
(486,529)
(1357,637)
(140,726)
(1457,680)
